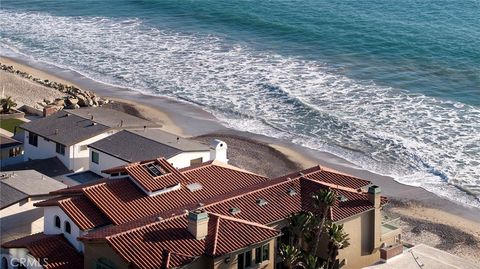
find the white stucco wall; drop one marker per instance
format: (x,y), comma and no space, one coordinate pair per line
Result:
(105,161)
(49,226)
(74,159)
(183,159)
(21,219)
(80,159)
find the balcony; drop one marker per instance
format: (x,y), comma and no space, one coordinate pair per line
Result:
(391,231)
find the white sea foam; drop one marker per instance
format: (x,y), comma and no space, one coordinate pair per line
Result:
(418,140)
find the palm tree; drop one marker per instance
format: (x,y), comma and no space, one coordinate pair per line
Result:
(7,104)
(298,226)
(338,240)
(323,199)
(290,255)
(311,262)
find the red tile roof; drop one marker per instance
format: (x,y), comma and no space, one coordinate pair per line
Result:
(279,203)
(83,212)
(59,254)
(170,244)
(122,201)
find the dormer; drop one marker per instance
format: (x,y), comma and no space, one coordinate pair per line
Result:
(155,177)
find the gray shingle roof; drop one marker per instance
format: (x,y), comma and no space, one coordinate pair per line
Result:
(9,195)
(112,118)
(6,142)
(146,144)
(31,182)
(65,128)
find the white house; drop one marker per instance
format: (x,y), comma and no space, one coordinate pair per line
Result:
(66,134)
(130,146)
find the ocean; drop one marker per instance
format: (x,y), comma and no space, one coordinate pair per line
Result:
(392,86)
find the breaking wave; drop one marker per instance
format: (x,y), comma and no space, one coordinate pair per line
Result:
(416,139)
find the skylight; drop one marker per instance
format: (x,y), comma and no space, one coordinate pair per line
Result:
(194,187)
(154,170)
(234,210)
(292,192)
(261,202)
(342,198)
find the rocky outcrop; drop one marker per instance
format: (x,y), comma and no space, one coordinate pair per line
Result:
(74,97)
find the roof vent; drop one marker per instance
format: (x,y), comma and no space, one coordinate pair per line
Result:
(194,187)
(301,174)
(261,202)
(159,218)
(292,192)
(342,198)
(234,210)
(94,123)
(56,131)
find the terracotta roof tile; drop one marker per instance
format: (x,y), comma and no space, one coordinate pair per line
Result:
(168,243)
(83,212)
(122,201)
(58,253)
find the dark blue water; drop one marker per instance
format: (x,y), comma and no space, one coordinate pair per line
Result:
(393,86)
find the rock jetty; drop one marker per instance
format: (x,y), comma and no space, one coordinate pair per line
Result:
(74,97)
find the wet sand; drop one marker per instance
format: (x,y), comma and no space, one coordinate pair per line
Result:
(433,220)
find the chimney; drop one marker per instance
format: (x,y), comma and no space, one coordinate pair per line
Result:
(218,151)
(198,223)
(49,110)
(374,198)
(374,195)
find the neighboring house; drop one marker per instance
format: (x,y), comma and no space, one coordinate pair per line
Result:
(421,256)
(135,145)
(19,191)
(11,151)
(213,215)
(66,134)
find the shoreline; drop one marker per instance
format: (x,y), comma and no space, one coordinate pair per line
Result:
(188,120)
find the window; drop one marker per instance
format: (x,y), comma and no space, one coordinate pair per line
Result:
(57,221)
(13,152)
(60,149)
(33,139)
(241,261)
(68,228)
(196,161)
(95,157)
(244,260)
(262,253)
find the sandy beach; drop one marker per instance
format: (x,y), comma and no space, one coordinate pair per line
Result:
(426,218)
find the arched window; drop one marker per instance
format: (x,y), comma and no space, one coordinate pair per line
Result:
(4,263)
(57,221)
(68,228)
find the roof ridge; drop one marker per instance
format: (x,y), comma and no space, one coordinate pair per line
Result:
(243,221)
(144,226)
(242,193)
(217,226)
(334,186)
